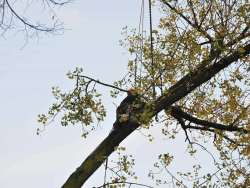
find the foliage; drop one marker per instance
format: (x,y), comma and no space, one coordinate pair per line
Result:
(82,106)
(191,35)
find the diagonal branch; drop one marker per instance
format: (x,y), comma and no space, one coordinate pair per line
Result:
(182,88)
(99,155)
(25,22)
(196,78)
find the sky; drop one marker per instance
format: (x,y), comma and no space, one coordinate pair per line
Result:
(28,72)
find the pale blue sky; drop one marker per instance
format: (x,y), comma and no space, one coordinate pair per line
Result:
(26,78)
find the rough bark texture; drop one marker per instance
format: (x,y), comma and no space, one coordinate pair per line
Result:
(182,88)
(99,155)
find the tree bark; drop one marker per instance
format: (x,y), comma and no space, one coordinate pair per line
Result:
(182,88)
(99,155)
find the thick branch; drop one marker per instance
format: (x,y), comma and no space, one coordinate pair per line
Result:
(177,112)
(194,79)
(99,155)
(182,88)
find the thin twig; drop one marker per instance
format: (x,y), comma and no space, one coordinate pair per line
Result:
(102,83)
(30,25)
(129,183)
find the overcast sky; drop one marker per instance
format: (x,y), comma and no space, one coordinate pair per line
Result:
(26,77)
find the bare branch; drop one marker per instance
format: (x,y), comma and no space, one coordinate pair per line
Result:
(101,83)
(36,27)
(58,3)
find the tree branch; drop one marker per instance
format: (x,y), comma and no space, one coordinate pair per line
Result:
(182,88)
(129,183)
(213,131)
(59,3)
(194,25)
(102,83)
(99,155)
(38,27)
(178,113)
(196,78)
(182,123)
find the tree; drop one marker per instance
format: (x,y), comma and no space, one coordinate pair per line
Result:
(198,83)
(14,19)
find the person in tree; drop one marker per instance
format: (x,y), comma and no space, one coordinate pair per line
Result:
(125,109)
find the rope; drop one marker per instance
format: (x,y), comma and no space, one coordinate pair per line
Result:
(151,47)
(105,173)
(141,34)
(139,49)
(142,40)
